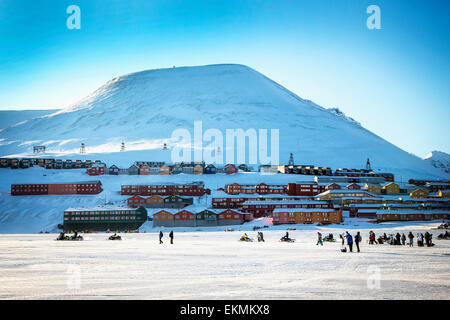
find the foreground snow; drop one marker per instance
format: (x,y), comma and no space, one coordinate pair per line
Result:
(215,265)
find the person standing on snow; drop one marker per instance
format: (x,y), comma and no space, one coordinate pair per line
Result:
(411,237)
(171,236)
(403,239)
(319,239)
(358,239)
(349,241)
(160,237)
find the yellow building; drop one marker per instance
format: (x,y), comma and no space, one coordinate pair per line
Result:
(372,188)
(391,187)
(198,169)
(419,193)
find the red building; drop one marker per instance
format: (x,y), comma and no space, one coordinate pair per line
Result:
(166,189)
(90,187)
(265,208)
(261,188)
(96,169)
(233,202)
(230,169)
(304,189)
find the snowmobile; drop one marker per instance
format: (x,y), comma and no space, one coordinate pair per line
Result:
(329,238)
(444,236)
(115,237)
(285,239)
(246,239)
(69,238)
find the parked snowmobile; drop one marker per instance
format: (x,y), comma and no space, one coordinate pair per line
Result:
(444,236)
(75,237)
(329,238)
(286,238)
(115,237)
(246,238)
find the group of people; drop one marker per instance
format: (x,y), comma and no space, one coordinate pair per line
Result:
(400,239)
(161,235)
(63,236)
(350,241)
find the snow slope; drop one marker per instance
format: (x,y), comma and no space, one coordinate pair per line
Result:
(11,117)
(440,160)
(142,109)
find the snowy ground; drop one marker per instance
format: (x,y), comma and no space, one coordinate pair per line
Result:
(215,265)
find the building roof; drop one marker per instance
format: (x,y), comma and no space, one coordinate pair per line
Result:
(100,208)
(277,210)
(285,202)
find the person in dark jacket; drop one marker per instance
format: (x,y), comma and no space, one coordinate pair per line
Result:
(171,236)
(358,239)
(342,238)
(397,239)
(349,241)
(403,239)
(160,237)
(411,239)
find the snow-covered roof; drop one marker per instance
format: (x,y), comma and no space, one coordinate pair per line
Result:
(294,202)
(277,210)
(100,208)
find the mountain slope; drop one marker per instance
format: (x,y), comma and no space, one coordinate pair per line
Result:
(142,109)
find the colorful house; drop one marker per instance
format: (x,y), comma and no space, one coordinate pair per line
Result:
(206,218)
(144,170)
(210,169)
(164,170)
(133,170)
(230,169)
(113,170)
(184,218)
(372,187)
(419,193)
(164,218)
(390,188)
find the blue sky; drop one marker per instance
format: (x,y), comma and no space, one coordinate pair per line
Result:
(395,81)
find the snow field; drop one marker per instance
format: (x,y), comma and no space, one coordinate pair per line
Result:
(215,265)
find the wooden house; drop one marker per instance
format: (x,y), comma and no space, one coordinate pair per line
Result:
(390,188)
(206,218)
(184,218)
(333,186)
(233,217)
(230,169)
(164,170)
(177,169)
(136,201)
(187,170)
(210,169)
(419,193)
(174,201)
(144,170)
(198,169)
(372,187)
(155,201)
(113,170)
(164,218)
(133,170)
(97,169)
(353,186)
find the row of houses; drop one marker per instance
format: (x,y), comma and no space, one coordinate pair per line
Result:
(156,201)
(146,168)
(200,217)
(236,201)
(196,189)
(84,187)
(412,215)
(48,163)
(308,188)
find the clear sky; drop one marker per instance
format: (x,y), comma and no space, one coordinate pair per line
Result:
(395,80)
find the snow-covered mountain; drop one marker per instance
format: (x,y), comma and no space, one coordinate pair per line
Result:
(142,109)
(11,117)
(440,160)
